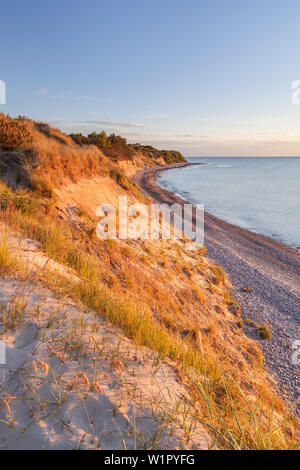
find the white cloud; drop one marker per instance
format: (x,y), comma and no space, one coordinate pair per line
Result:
(86,127)
(113,123)
(41,92)
(84,98)
(196,144)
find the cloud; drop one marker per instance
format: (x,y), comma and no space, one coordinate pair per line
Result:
(41,92)
(134,132)
(162,116)
(87,127)
(114,123)
(197,144)
(72,96)
(84,98)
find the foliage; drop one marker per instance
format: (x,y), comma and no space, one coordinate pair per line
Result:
(112,145)
(14,134)
(169,156)
(18,200)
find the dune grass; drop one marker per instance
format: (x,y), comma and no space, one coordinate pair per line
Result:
(263,330)
(218,272)
(55,240)
(8,261)
(12,314)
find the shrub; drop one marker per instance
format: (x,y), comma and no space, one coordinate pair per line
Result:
(112,145)
(264,332)
(42,187)
(14,134)
(169,156)
(199,294)
(219,275)
(19,200)
(202,250)
(80,139)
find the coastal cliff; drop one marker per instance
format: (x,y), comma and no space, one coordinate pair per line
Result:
(116,343)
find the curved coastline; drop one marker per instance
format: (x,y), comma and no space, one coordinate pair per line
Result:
(271,268)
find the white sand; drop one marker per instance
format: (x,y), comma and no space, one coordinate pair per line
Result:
(73,381)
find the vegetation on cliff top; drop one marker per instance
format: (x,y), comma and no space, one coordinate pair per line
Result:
(38,156)
(113,146)
(169,156)
(117,147)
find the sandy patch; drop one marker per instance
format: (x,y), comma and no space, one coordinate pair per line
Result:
(71,380)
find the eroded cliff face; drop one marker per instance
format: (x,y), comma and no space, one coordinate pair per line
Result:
(182,289)
(169,302)
(130,167)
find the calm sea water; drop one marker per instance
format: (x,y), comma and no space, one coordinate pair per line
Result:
(259,194)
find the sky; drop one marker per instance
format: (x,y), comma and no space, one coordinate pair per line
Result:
(205,77)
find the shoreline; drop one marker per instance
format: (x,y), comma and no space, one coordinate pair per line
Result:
(271,268)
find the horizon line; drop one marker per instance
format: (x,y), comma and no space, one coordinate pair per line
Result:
(244,156)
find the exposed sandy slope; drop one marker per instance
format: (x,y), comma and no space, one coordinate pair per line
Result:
(73,381)
(89,193)
(155,273)
(130,167)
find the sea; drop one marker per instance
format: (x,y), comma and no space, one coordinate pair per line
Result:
(260,194)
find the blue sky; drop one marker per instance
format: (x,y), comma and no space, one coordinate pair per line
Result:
(205,77)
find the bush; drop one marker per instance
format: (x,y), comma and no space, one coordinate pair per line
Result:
(199,294)
(14,134)
(112,145)
(19,200)
(42,187)
(118,176)
(115,146)
(264,332)
(169,156)
(219,275)
(80,139)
